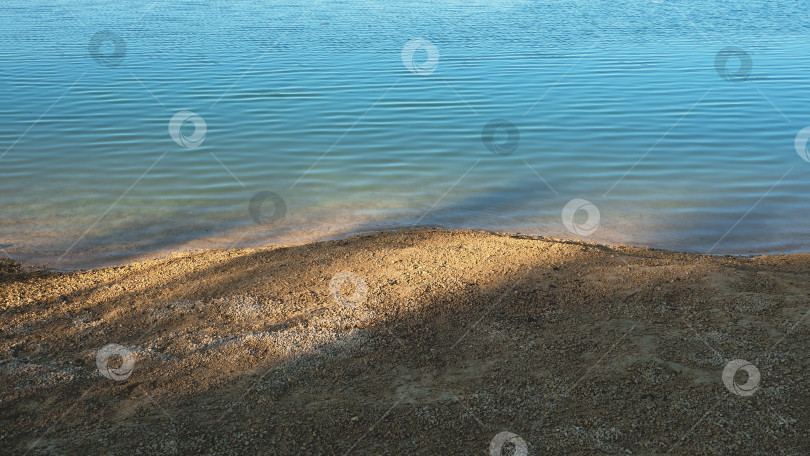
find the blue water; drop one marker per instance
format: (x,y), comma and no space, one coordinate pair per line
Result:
(618,103)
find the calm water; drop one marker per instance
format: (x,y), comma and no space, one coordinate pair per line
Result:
(619,103)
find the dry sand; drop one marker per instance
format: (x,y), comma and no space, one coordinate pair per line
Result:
(437,342)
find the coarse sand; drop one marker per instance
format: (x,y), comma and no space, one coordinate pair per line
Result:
(420,341)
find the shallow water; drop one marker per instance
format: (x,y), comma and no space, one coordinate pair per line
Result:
(621,104)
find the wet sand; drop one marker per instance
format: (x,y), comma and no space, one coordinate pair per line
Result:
(409,342)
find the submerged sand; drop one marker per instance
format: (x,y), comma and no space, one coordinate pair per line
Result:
(409,342)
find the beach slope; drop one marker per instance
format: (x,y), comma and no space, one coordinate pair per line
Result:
(409,342)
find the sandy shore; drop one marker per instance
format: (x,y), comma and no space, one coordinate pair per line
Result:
(411,342)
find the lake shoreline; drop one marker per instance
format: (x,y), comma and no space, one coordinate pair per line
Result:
(87,262)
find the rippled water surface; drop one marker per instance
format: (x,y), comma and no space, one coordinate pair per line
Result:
(677,121)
